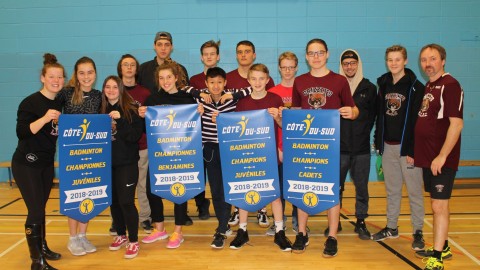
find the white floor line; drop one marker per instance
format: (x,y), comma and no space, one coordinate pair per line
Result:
(450,240)
(12,247)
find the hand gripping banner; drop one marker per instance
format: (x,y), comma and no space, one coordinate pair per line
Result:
(85,170)
(311,159)
(174,138)
(249,158)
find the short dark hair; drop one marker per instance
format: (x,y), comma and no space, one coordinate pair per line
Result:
(317,40)
(214,72)
(119,65)
(441,50)
(246,43)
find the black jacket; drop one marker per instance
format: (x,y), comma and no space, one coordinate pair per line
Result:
(415,90)
(125,137)
(355,134)
(146,75)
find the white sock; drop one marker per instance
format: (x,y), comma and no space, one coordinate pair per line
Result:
(243,226)
(278,226)
(80,235)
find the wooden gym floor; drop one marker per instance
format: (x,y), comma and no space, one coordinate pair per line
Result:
(260,253)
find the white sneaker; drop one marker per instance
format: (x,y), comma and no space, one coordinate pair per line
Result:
(87,246)
(76,247)
(263,218)
(234,218)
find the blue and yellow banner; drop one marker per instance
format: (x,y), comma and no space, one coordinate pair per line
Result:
(174,138)
(249,158)
(311,159)
(85,171)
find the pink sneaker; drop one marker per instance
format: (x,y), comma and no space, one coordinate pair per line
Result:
(132,250)
(118,242)
(175,240)
(155,236)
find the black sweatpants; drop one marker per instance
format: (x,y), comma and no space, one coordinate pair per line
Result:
(123,209)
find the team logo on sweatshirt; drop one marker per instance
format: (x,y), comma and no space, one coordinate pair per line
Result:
(54,131)
(31,157)
(317,96)
(427,98)
(394,103)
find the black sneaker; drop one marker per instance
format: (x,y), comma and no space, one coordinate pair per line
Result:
(112,230)
(327,230)
(203,210)
(300,244)
(330,249)
(362,230)
(282,241)
(189,221)
(234,218)
(218,240)
(418,242)
(147,226)
(385,233)
(240,239)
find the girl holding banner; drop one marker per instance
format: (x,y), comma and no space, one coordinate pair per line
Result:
(168,77)
(32,162)
(80,98)
(127,128)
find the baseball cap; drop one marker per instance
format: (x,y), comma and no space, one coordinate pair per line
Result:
(163,35)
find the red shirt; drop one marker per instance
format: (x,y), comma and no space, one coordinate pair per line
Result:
(284,92)
(328,92)
(198,81)
(443,98)
(235,81)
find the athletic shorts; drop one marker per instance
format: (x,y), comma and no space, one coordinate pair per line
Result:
(440,186)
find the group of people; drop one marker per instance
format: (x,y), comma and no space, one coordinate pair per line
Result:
(417,133)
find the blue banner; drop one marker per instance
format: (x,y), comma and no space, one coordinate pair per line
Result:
(311,159)
(174,138)
(85,170)
(249,158)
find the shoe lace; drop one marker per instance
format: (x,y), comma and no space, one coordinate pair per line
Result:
(119,239)
(175,236)
(132,246)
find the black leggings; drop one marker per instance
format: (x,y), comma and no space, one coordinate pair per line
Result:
(35,185)
(124,212)
(156,207)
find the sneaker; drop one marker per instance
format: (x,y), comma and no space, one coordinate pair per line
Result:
(327,230)
(331,248)
(240,239)
(218,240)
(446,253)
(132,250)
(87,246)
(76,247)
(263,218)
(418,242)
(175,240)
(273,229)
(112,230)
(147,226)
(282,241)
(228,232)
(155,236)
(432,263)
(118,242)
(301,243)
(203,210)
(189,221)
(295,229)
(234,218)
(384,234)
(362,231)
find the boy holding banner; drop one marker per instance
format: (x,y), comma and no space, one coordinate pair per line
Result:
(321,88)
(258,77)
(216,100)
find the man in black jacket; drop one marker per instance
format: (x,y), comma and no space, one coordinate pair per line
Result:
(355,137)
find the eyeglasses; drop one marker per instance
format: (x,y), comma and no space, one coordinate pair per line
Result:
(319,53)
(129,65)
(351,63)
(288,68)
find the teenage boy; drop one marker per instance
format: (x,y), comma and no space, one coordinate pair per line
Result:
(163,47)
(437,146)
(210,56)
(215,100)
(321,88)
(258,77)
(238,78)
